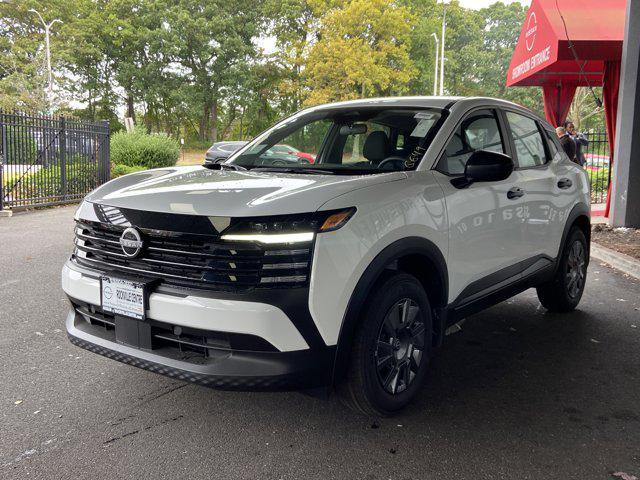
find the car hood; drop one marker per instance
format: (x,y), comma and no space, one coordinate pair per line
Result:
(200,191)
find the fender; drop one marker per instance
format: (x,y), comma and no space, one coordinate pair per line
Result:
(385,260)
(578,210)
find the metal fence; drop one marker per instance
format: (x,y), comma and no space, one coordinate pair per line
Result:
(49,160)
(598,165)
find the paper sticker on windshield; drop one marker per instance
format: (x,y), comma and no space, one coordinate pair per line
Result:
(422,127)
(425,115)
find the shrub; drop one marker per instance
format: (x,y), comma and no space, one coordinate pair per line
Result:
(119,170)
(139,149)
(21,147)
(81,177)
(599,180)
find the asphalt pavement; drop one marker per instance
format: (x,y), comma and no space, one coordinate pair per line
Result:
(517,394)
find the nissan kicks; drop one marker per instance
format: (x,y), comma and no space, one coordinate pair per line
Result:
(264,273)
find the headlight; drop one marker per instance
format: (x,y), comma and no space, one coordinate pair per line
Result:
(84,210)
(299,228)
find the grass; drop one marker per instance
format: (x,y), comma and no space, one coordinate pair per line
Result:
(191,157)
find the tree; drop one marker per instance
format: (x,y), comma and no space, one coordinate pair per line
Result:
(501,26)
(295,28)
(362,50)
(23,76)
(428,15)
(210,42)
(584,112)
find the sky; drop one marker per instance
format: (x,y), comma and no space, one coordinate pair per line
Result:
(477,4)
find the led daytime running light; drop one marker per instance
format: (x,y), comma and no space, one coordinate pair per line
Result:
(270,239)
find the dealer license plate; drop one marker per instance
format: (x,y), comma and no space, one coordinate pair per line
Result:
(123,297)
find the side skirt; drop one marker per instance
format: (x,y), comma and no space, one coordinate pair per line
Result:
(500,286)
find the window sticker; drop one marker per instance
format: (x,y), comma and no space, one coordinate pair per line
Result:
(425,115)
(422,127)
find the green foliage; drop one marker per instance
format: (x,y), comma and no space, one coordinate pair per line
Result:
(81,177)
(599,180)
(363,50)
(21,147)
(197,69)
(119,170)
(140,149)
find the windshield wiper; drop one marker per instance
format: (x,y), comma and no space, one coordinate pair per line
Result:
(223,166)
(316,171)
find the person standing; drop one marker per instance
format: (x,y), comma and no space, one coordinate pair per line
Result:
(568,145)
(580,140)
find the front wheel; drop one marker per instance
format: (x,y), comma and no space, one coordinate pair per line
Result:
(391,348)
(564,291)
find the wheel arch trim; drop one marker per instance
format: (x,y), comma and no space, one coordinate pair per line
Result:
(579,210)
(372,274)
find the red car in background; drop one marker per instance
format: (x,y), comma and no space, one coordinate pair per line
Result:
(288,149)
(596,162)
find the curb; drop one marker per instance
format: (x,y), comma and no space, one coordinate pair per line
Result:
(617,260)
(6,213)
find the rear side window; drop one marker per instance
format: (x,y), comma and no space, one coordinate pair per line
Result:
(479,131)
(554,149)
(527,140)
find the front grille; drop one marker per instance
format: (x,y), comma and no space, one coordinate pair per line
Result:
(194,260)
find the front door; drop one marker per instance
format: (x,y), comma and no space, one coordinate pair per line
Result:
(486,221)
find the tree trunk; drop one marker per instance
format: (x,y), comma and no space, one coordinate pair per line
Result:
(214,120)
(130,110)
(204,123)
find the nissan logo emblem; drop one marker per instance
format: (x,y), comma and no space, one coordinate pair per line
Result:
(131,242)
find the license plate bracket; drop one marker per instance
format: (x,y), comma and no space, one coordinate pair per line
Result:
(126,297)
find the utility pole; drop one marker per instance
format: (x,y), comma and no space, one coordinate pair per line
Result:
(435,69)
(444,27)
(47,46)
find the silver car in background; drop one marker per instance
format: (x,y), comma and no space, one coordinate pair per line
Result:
(220,151)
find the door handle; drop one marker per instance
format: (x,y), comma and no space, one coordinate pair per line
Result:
(515,192)
(564,183)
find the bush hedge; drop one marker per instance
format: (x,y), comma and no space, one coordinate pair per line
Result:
(81,177)
(139,149)
(119,170)
(21,147)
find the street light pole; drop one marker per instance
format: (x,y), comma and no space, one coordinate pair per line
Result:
(444,26)
(435,69)
(47,46)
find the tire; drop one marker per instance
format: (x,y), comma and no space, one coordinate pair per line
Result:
(564,291)
(389,357)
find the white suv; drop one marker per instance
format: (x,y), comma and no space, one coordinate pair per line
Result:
(268,273)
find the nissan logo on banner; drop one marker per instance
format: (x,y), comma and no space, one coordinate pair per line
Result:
(530,35)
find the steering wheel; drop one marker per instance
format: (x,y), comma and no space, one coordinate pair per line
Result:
(392,160)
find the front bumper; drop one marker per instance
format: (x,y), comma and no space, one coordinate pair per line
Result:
(231,371)
(289,363)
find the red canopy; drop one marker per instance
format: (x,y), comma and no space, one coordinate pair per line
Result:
(542,56)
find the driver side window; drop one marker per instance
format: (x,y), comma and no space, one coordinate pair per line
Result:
(479,131)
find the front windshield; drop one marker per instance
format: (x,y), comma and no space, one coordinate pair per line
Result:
(363,140)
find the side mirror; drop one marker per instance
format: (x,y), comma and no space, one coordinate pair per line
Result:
(215,162)
(485,166)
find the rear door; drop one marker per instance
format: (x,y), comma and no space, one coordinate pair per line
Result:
(545,180)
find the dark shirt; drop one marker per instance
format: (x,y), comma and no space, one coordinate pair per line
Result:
(569,147)
(580,140)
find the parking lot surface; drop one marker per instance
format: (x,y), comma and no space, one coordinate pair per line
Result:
(517,394)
